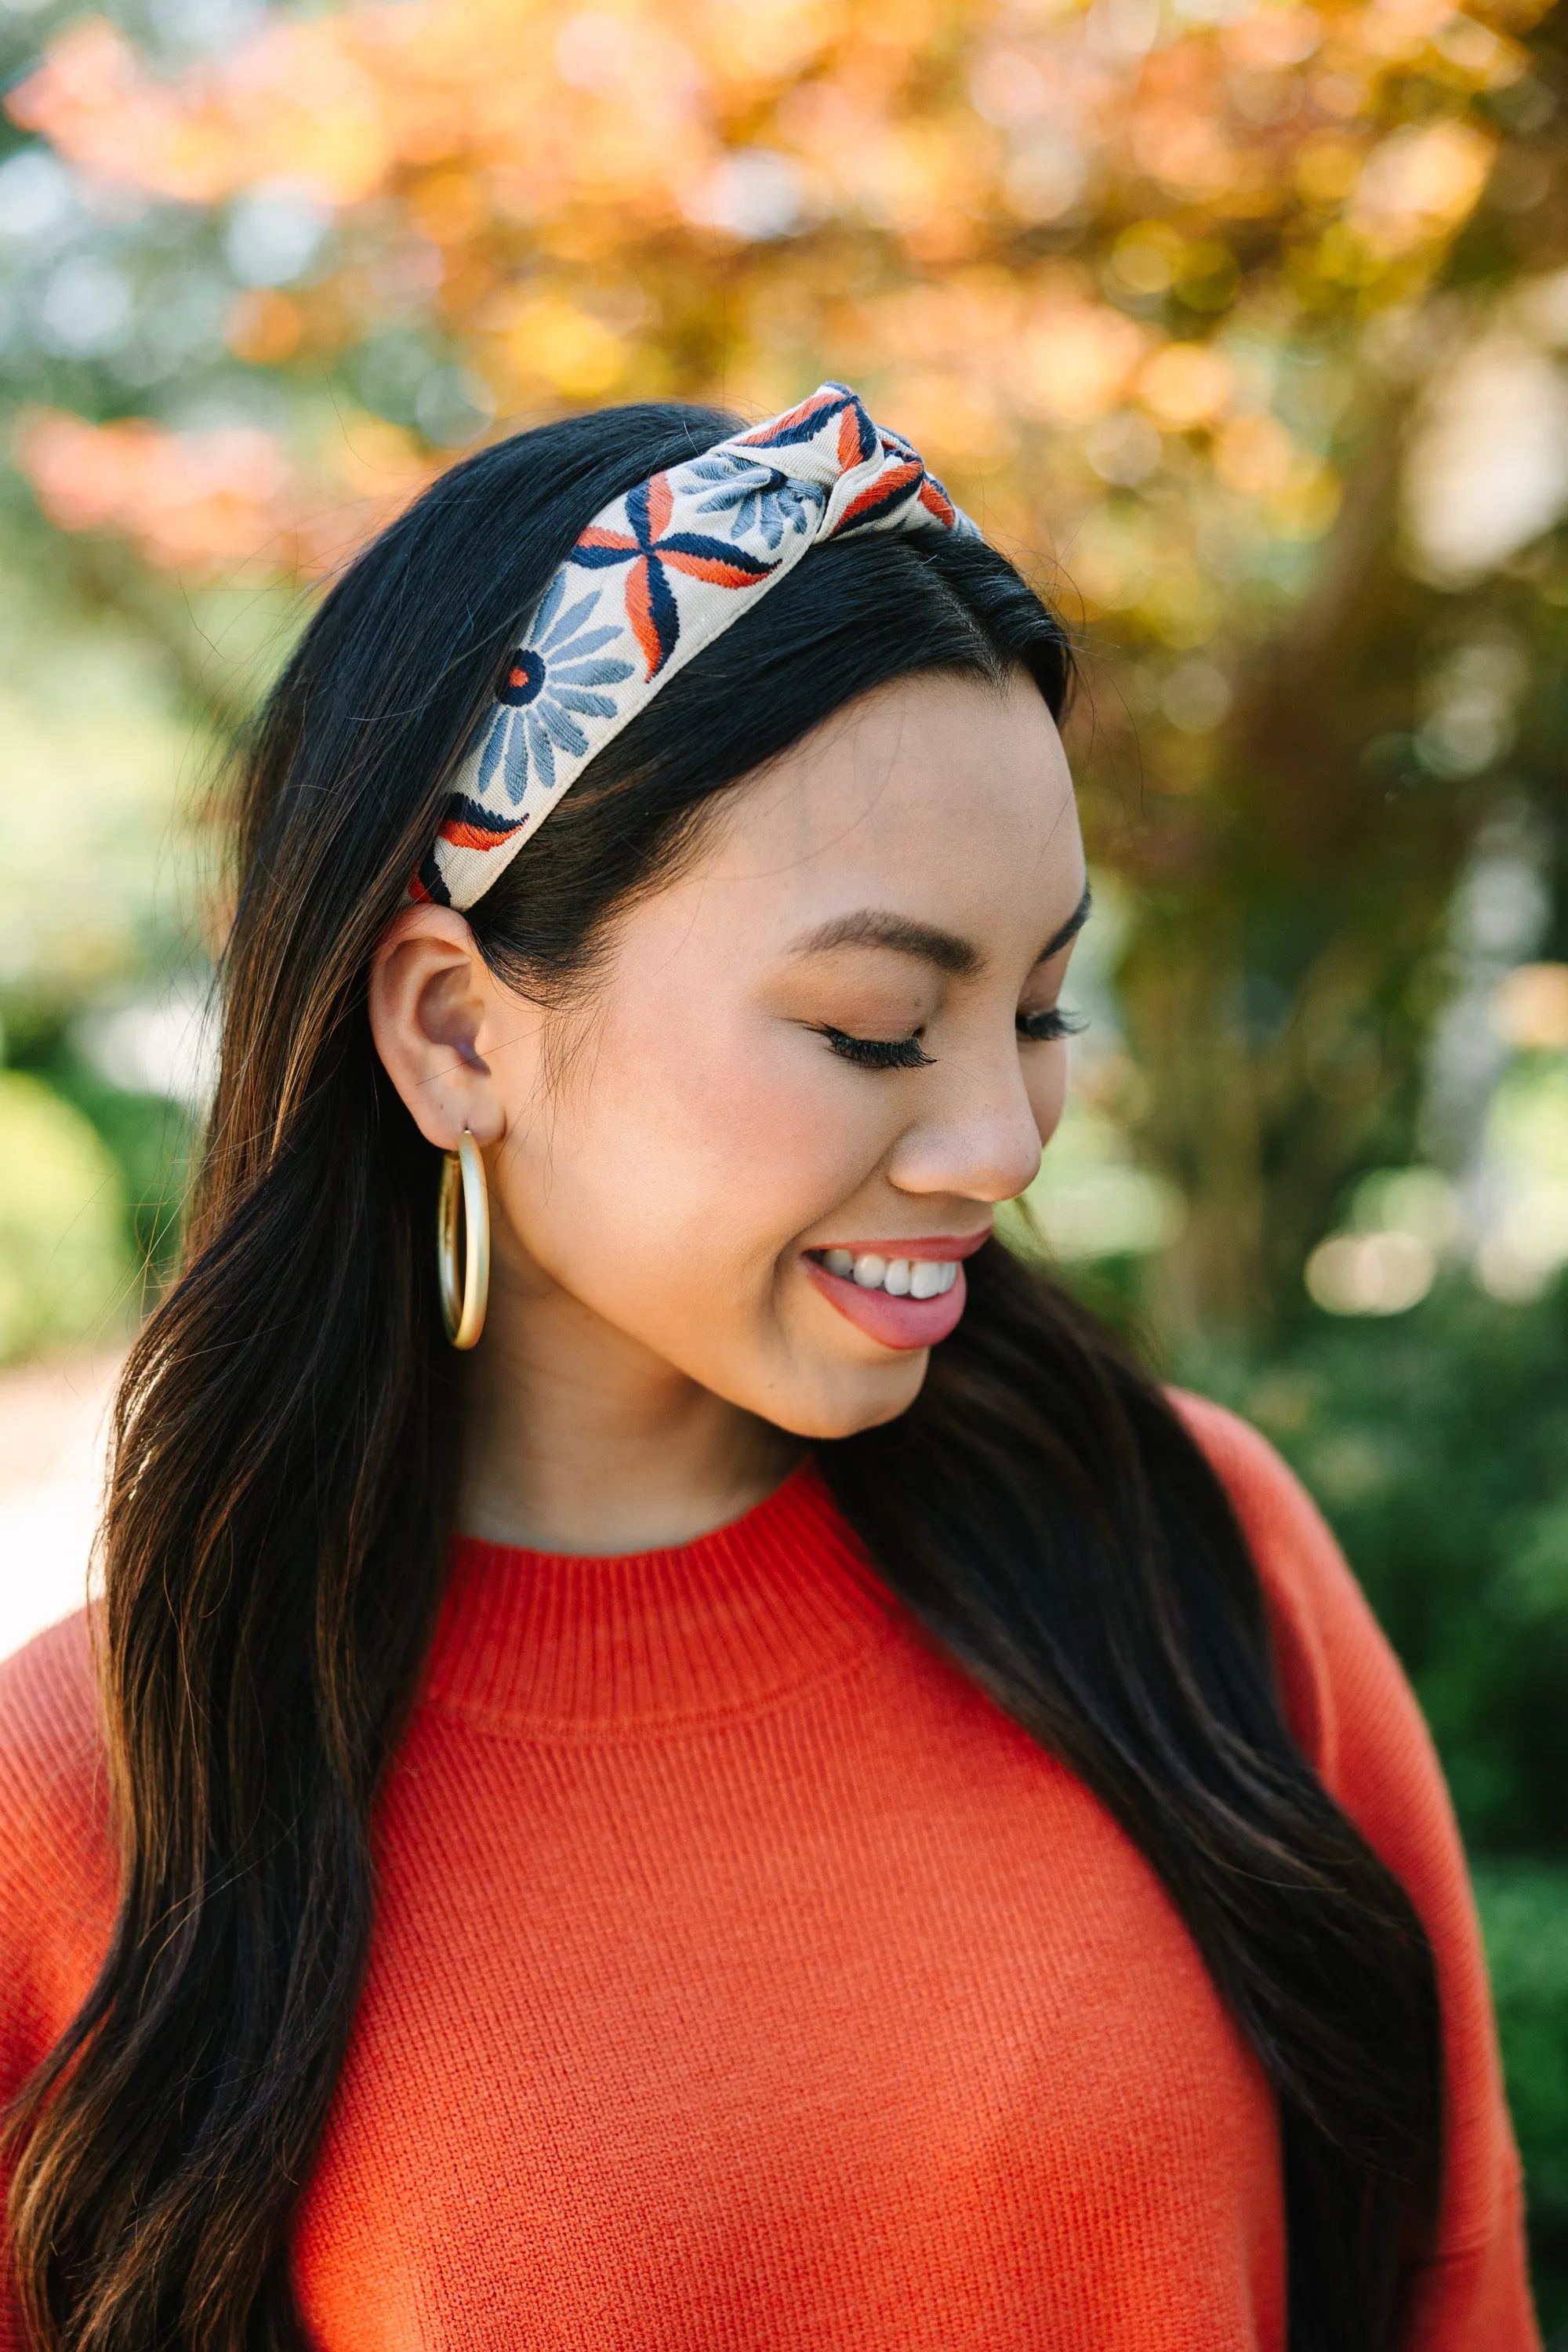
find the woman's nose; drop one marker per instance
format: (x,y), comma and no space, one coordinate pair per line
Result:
(979,1139)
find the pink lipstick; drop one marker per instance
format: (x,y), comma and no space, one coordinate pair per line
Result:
(904,1293)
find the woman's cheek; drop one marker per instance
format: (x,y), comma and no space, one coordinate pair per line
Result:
(773,1112)
(680,1171)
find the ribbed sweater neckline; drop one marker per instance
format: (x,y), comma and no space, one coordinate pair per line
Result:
(553,1645)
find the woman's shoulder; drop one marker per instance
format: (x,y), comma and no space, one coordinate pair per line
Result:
(1345,1692)
(58,1870)
(54,1808)
(1355,1717)
(49,1703)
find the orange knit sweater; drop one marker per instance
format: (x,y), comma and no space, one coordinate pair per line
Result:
(743,1979)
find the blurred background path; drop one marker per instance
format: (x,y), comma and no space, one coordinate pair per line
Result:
(53,1421)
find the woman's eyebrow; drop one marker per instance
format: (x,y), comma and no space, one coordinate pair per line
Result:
(1069,930)
(871,926)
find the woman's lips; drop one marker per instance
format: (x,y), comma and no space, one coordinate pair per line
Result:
(898,1322)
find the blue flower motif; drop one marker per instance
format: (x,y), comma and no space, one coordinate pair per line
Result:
(555,679)
(759,498)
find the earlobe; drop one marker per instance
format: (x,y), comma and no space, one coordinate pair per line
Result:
(428,999)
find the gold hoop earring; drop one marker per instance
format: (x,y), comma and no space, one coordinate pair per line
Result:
(463,1307)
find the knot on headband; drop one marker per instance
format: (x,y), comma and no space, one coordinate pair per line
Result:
(656,575)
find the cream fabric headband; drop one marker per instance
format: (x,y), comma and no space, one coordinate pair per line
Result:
(656,576)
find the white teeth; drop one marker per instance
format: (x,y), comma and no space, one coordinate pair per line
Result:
(901,1277)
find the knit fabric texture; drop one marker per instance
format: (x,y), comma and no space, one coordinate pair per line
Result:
(743,1979)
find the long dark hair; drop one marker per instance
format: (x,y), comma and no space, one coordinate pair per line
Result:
(282,1493)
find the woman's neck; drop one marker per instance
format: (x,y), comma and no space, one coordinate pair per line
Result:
(578,1438)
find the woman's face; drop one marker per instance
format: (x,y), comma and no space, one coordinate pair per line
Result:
(761,1148)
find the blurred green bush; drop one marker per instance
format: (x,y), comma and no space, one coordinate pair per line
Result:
(1524,1912)
(65,1262)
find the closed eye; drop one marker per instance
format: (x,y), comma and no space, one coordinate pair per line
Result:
(1042,1028)
(878,1053)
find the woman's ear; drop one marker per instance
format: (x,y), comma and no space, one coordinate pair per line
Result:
(430,992)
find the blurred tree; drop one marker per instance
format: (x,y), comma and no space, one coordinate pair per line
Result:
(1247,314)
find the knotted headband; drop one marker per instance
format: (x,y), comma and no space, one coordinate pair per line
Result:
(656,575)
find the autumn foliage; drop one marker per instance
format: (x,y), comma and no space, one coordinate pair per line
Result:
(1159,286)
(1040,237)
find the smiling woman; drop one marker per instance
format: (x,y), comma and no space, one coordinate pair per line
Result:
(787,1795)
(799,1072)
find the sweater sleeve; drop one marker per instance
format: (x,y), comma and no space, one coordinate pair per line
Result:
(1356,1717)
(56,1872)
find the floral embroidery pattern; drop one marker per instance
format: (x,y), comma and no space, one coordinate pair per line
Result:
(670,565)
(761,501)
(831,405)
(554,681)
(652,549)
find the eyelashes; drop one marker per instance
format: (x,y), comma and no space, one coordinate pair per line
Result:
(879,1053)
(909,1054)
(1042,1028)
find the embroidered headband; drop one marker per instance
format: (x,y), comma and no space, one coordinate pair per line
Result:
(656,575)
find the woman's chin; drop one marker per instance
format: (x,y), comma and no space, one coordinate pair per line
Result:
(848,1398)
